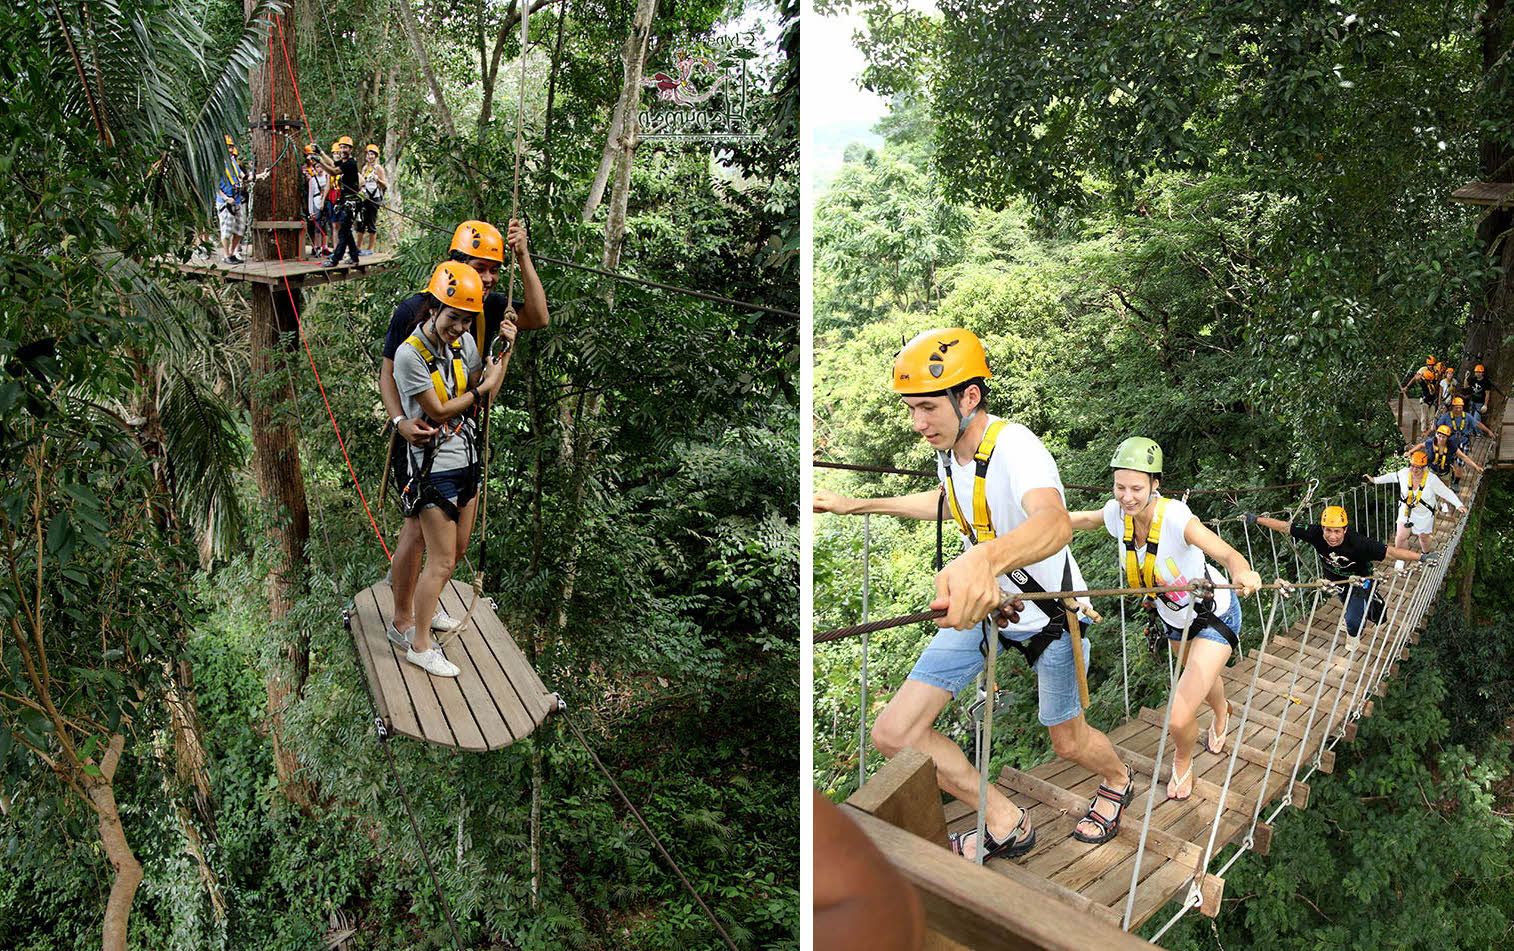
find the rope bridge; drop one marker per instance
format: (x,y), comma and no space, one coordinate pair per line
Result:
(1299,688)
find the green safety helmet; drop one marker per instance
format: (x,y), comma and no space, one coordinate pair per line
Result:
(1139,454)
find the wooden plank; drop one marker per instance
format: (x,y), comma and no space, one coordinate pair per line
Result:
(296,271)
(988,909)
(365,617)
(1257,756)
(1202,788)
(426,693)
(538,701)
(499,711)
(905,795)
(1483,193)
(387,682)
(474,681)
(1157,840)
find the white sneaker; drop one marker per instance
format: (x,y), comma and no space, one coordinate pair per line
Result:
(401,640)
(442,621)
(1352,643)
(432,662)
(1398,566)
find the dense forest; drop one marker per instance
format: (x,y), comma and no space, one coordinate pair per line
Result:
(187,751)
(1226,228)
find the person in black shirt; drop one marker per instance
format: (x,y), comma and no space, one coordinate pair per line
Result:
(344,166)
(1345,554)
(479,245)
(1477,387)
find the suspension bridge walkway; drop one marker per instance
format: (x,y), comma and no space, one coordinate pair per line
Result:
(1299,689)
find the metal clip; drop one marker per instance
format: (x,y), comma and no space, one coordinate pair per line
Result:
(381,728)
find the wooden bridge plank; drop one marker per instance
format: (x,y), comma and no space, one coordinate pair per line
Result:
(438,701)
(365,621)
(491,703)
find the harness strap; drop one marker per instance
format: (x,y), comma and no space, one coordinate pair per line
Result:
(1141,574)
(1413,496)
(459,372)
(982,527)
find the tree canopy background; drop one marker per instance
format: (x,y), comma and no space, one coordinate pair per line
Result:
(642,543)
(1225,228)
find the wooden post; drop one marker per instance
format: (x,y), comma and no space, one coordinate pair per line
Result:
(275,429)
(1077,653)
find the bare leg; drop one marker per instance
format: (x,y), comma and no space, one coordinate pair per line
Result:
(1200,683)
(441,548)
(404,570)
(906,723)
(1075,740)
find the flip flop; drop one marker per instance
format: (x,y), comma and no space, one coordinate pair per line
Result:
(1209,741)
(1178,781)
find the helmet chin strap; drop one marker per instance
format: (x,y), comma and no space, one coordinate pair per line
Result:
(962,421)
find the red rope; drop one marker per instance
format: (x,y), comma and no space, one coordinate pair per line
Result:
(299,324)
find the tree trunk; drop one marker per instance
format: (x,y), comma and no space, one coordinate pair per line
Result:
(128,871)
(275,431)
(1485,327)
(535,824)
(393,140)
(623,118)
(418,49)
(562,16)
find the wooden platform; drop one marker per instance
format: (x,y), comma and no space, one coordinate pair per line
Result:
(1483,193)
(301,271)
(497,699)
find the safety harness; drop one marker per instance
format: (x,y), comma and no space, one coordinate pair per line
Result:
(1429,391)
(1142,573)
(981,529)
(416,488)
(1440,459)
(1412,495)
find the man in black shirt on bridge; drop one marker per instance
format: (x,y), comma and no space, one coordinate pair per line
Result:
(345,166)
(1345,554)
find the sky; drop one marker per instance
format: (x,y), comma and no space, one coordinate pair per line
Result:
(839,112)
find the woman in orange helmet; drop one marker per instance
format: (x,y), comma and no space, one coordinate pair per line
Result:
(374,184)
(441,380)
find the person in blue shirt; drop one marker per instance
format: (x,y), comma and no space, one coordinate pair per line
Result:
(231,204)
(1462,423)
(1444,455)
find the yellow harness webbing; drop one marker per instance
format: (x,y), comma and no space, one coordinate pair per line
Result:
(1142,574)
(459,372)
(1414,492)
(982,527)
(1438,462)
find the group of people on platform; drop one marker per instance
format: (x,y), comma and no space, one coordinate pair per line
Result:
(1436,392)
(1005,494)
(436,381)
(342,201)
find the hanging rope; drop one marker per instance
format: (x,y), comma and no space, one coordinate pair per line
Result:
(648,830)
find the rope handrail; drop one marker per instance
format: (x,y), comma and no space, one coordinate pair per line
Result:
(890,470)
(883,624)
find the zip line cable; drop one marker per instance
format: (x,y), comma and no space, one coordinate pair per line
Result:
(648,830)
(619,276)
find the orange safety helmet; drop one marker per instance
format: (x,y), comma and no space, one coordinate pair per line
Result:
(372,148)
(1457,402)
(455,284)
(1478,368)
(1427,373)
(479,239)
(1334,516)
(1419,459)
(1442,430)
(309,148)
(345,140)
(1429,361)
(938,360)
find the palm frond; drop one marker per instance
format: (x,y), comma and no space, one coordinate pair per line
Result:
(207,451)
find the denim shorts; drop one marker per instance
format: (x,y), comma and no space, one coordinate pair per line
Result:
(952,660)
(1232,618)
(449,484)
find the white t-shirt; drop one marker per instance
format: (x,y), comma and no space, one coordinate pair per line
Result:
(1435,491)
(1018,465)
(315,192)
(1173,552)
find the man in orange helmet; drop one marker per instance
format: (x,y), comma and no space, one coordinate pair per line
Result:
(1005,494)
(479,245)
(344,168)
(1420,491)
(1345,554)
(1444,455)
(1476,388)
(1427,390)
(1461,423)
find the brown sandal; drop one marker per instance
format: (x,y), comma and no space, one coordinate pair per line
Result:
(1109,827)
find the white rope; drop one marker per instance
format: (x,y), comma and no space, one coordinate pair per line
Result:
(867,540)
(1156,772)
(986,736)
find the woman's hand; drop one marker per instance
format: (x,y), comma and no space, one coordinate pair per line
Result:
(494,375)
(415,431)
